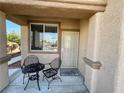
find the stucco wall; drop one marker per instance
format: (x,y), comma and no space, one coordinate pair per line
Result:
(83,44)
(2,34)
(110,26)
(92,51)
(119,77)
(4,77)
(107,51)
(93,37)
(65,24)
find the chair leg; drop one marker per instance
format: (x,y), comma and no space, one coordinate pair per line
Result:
(23,78)
(38,80)
(43,78)
(48,82)
(26,84)
(48,85)
(59,78)
(38,84)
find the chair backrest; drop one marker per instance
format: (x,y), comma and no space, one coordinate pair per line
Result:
(56,63)
(30,60)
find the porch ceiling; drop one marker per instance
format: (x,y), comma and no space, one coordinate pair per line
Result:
(52,8)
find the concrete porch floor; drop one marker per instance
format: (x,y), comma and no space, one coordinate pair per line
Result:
(69,84)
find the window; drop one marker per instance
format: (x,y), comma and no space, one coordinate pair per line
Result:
(44,37)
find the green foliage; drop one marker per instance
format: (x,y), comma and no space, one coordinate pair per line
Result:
(13,37)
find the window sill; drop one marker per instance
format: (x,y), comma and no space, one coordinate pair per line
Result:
(43,52)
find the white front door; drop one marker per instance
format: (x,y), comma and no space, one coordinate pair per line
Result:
(69,49)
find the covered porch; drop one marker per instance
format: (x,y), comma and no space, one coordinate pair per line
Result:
(80,38)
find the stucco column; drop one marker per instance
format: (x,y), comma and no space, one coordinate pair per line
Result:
(119,76)
(4,77)
(92,52)
(25,47)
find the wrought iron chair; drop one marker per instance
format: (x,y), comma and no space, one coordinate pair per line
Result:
(31,67)
(51,73)
(27,61)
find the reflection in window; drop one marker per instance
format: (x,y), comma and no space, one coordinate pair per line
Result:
(44,37)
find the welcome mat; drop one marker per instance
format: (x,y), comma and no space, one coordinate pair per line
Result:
(69,72)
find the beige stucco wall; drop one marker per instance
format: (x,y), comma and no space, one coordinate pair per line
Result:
(93,43)
(70,24)
(83,44)
(4,77)
(119,77)
(65,24)
(2,34)
(93,37)
(107,47)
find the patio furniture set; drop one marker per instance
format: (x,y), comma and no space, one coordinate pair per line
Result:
(31,68)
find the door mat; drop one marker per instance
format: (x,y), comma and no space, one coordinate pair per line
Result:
(69,72)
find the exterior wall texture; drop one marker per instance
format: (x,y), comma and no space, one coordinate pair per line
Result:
(65,23)
(107,51)
(110,26)
(83,44)
(91,74)
(119,77)
(4,77)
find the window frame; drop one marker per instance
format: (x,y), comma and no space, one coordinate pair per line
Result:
(44,51)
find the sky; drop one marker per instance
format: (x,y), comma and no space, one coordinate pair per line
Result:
(10,26)
(52,37)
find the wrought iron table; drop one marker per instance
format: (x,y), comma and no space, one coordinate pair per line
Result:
(33,68)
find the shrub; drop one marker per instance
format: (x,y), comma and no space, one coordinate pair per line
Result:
(13,37)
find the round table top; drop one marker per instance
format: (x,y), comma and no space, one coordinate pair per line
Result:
(32,68)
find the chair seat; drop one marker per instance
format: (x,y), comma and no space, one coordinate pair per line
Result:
(50,72)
